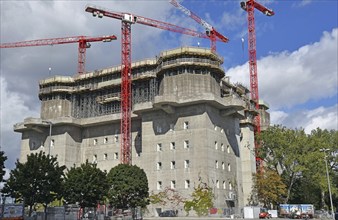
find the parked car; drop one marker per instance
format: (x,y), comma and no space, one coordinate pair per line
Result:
(168,213)
(264,213)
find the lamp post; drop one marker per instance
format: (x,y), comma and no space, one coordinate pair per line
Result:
(328,180)
(50,135)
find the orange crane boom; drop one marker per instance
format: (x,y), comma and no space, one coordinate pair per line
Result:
(249,7)
(82,40)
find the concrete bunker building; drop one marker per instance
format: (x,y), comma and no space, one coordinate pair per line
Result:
(189,123)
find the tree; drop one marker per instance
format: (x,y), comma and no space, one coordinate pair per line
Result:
(323,139)
(167,197)
(128,187)
(39,180)
(85,185)
(3,158)
(283,150)
(297,157)
(269,187)
(202,200)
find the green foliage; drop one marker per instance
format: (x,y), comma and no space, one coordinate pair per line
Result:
(128,187)
(86,185)
(39,180)
(202,200)
(167,197)
(297,157)
(3,158)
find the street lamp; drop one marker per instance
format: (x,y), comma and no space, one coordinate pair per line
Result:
(328,180)
(50,135)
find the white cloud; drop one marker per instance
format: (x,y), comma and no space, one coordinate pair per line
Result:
(13,110)
(301,3)
(288,79)
(321,117)
(6,176)
(324,118)
(278,117)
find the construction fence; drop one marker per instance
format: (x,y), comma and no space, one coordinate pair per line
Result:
(74,212)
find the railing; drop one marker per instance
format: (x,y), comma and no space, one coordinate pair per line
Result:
(56,89)
(192,60)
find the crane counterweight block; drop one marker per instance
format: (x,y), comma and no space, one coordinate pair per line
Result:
(261,8)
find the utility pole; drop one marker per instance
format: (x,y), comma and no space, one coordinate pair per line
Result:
(328,180)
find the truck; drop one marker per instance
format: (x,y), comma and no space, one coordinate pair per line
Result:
(12,211)
(296,211)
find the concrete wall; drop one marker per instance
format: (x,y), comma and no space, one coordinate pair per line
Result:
(188,108)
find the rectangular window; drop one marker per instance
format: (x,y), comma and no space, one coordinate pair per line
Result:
(222,146)
(229,167)
(187,184)
(186,144)
(94,158)
(217,184)
(216,145)
(116,138)
(105,140)
(173,184)
(172,146)
(116,155)
(159,147)
(223,166)
(186,125)
(159,185)
(95,142)
(159,166)
(159,129)
(52,143)
(186,164)
(216,164)
(228,149)
(224,185)
(105,156)
(172,165)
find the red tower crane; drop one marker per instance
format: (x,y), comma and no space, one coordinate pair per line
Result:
(82,40)
(127,20)
(210,30)
(250,6)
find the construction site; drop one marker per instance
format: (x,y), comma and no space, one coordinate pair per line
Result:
(177,116)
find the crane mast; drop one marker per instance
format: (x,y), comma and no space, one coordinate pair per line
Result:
(249,7)
(126,93)
(82,40)
(127,20)
(210,30)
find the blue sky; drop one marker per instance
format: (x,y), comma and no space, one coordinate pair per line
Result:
(296,52)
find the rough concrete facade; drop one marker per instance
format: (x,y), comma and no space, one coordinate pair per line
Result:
(189,124)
